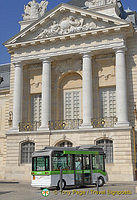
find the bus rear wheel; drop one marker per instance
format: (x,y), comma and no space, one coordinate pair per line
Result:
(63,184)
(100,181)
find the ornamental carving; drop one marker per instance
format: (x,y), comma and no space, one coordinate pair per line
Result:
(96,3)
(67,25)
(68,65)
(34,10)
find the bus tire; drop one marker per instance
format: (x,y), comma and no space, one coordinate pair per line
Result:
(63,184)
(101,181)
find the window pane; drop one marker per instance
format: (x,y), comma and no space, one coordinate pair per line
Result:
(108,102)
(40,163)
(72,104)
(36,103)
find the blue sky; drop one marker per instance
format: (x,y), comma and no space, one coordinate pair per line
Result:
(11,13)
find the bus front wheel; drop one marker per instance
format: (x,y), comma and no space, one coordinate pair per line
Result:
(100,181)
(63,184)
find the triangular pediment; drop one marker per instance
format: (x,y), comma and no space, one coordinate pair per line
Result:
(65,20)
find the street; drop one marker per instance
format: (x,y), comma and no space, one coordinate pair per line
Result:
(24,191)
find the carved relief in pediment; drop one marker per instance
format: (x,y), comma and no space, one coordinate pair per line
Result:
(67,25)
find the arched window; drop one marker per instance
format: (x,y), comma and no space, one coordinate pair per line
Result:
(107,145)
(64,144)
(27,148)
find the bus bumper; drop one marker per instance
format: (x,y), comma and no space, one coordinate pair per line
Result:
(41,181)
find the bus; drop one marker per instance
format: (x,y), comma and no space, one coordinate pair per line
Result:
(82,165)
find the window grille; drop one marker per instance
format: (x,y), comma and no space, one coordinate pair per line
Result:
(27,148)
(107,145)
(36,103)
(72,104)
(108,102)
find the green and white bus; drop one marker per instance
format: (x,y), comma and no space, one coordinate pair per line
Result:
(81,165)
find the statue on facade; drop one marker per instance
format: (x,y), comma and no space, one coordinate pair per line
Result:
(95,3)
(34,10)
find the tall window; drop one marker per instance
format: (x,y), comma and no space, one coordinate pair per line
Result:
(65,144)
(36,107)
(107,145)
(108,102)
(72,104)
(27,148)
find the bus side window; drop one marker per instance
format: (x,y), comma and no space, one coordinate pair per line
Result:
(64,162)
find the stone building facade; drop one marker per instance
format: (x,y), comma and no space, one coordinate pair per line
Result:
(72,81)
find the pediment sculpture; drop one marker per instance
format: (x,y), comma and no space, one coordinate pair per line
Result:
(96,3)
(67,25)
(34,10)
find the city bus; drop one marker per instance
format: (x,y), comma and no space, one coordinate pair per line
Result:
(82,165)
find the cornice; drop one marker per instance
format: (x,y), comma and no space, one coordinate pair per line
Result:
(40,56)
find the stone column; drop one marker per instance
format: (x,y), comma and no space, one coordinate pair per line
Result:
(121,88)
(17,96)
(46,94)
(87,91)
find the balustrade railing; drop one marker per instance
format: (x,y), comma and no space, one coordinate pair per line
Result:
(65,124)
(70,124)
(106,122)
(29,126)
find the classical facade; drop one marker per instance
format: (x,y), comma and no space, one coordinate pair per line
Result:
(72,81)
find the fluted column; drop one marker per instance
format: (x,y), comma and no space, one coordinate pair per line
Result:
(87,91)
(17,96)
(121,88)
(46,94)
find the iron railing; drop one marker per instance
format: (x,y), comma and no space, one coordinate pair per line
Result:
(70,124)
(28,126)
(65,124)
(106,122)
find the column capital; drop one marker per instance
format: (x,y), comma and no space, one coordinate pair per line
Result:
(121,49)
(17,64)
(86,54)
(46,60)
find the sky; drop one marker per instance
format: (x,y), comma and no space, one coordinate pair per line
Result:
(11,13)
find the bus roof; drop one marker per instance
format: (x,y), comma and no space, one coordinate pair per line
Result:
(83,149)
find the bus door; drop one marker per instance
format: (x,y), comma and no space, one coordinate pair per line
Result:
(82,170)
(87,169)
(78,170)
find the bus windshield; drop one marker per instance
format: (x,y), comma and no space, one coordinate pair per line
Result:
(40,163)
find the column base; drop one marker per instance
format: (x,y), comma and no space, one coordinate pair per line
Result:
(86,126)
(43,128)
(122,124)
(13,130)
